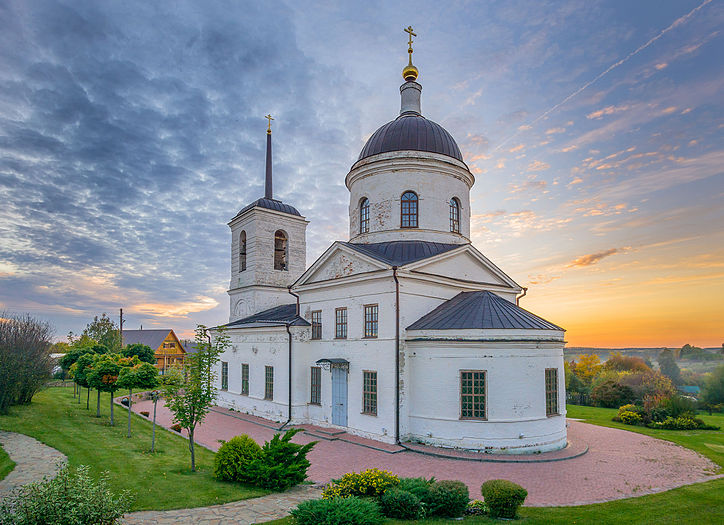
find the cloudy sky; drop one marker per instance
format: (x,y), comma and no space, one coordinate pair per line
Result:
(131,132)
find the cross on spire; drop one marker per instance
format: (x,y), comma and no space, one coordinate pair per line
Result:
(409,73)
(409,31)
(269,118)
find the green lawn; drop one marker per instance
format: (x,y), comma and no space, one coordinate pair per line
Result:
(159,481)
(6,464)
(702,503)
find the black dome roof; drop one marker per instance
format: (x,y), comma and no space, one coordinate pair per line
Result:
(271,204)
(411,132)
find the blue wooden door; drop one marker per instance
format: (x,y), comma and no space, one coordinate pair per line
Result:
(339,397)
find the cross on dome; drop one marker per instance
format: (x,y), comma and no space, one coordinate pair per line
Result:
(410,72)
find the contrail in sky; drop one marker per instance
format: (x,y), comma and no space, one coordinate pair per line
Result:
(676,23)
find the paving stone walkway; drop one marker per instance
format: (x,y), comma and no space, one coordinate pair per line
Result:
(246,512)
(33,461)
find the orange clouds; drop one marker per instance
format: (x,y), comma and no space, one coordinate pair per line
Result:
(592,258)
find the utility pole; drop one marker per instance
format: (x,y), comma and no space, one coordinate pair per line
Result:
(121,325)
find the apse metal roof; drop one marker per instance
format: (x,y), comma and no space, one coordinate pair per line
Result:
(271,204)
(480,310)
(399,253)
(279,315)
(411,132)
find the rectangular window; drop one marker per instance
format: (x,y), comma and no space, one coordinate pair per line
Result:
(369,392)
(340,323)
(551,391)
(269,382)
(472,394)
(245,379)
(371,320)
(316,391)
(224,375)
(317,324)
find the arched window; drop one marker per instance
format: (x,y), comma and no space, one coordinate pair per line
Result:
(242,251)
(281,249)
(408,210)
(455,215)
(364,215)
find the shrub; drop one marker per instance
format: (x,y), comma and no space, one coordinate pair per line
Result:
(176,427)
(448,498)
(420,487)
(630,418)
(72,497)
(503,497)
(144,413)
(477,508)
(282,464)
(611,394)
(232,461)
(683,422)
(400,504)
(338,511)
(371,482)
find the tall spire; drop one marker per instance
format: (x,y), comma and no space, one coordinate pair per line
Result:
(268,193)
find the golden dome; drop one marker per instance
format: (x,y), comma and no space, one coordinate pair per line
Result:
(410,73)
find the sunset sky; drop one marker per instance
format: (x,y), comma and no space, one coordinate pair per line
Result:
(131,132)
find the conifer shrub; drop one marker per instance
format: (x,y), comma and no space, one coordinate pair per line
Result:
(503,497)
(400,504)
(72,497)
(233,460)
(282,464)
(448,499)
(338,511)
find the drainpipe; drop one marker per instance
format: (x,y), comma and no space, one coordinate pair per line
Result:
(517,299)
(397,355)
(289,382)
(289,289)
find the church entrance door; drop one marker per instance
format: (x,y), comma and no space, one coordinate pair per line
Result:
(339,397)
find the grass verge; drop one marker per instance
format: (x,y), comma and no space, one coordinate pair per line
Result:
(6,464)
(159,481)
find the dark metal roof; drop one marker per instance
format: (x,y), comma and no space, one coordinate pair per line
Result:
(411,132)
(398,253)
(271,204)
(151,338)
(480,310)
(279,315)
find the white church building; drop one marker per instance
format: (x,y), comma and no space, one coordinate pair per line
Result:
(403,332)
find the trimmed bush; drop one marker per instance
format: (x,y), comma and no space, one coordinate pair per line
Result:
(176,427)
(282,464)
(232,461)
(630,418)
(400,504)
(371,482)
(72,497)
(503,497)
(338,511)
(144,413)
(448,498)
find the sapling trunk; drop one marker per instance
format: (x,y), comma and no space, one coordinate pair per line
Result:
(112,424)
(153,433)
(98,406)
(191,448)
(87,399)
(130,404)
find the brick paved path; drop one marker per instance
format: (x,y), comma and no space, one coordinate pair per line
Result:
(619,464)
(257,510)
(34,461)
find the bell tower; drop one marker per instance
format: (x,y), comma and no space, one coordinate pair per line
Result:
(268,250)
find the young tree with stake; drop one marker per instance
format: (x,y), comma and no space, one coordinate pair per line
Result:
(192,392)
(104,376)
(140,375)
